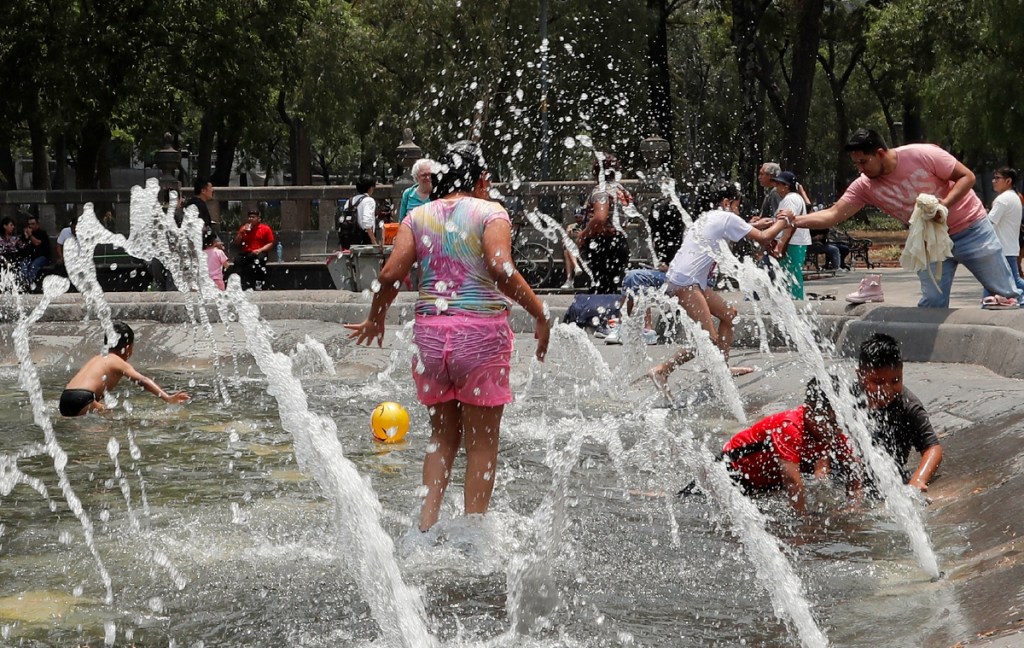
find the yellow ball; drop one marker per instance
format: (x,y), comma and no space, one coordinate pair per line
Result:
(389,422)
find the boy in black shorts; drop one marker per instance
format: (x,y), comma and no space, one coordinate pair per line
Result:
(86,390)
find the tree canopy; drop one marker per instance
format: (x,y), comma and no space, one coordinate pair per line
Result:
(320,90)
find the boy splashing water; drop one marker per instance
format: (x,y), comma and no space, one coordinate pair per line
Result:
(84,393)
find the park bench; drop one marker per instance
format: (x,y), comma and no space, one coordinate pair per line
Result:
(116,270)
(859,247)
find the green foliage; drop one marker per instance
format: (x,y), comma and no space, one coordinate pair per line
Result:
(354,74)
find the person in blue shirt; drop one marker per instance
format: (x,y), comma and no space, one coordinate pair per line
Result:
(419,193)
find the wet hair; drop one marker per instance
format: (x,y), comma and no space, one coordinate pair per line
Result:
(725,191)
(711,194)
(606,162)
(1008,173)
(200,184)
(365,182)
(125,337)
(865,140)
(880,351)
(814,395)
(459,168)
(209,238)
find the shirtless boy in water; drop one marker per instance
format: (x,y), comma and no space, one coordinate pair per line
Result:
(86,390)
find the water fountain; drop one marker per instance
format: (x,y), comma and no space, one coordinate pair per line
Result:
(204,530)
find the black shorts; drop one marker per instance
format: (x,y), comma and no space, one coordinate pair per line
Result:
(73,401)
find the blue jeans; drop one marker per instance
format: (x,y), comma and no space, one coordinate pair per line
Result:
(1014,271)
(977,248)
(643,278)
(34,266)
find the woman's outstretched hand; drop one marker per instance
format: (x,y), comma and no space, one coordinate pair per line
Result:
(542,333)
(366,331)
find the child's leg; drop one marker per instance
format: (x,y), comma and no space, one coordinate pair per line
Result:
(445,438)
(481,427)
(691,298)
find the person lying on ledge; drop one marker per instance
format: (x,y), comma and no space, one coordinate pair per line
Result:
(86,390)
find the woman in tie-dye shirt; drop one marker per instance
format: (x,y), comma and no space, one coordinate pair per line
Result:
(462,243)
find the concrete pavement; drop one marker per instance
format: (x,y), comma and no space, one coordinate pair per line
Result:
(962,334)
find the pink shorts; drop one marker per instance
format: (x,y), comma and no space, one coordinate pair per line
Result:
(464,358)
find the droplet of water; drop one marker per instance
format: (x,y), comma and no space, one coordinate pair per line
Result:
(569,143)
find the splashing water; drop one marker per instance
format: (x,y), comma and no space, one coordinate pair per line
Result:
(396,607)
(748,524)
(53,287)
(801,334)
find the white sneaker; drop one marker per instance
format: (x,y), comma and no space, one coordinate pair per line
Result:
(613,336)
(650,337)
(568,285)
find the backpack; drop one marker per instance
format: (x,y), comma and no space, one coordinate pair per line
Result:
(349,232)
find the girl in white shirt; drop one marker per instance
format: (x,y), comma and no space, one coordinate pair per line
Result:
(687,276)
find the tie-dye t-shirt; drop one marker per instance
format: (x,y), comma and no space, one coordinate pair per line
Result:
(450,252)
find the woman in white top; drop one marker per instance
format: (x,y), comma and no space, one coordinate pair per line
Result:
(791,245)
(1006,218)
(687,276)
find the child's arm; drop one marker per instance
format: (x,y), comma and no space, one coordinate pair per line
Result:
(149,385)
(794,483)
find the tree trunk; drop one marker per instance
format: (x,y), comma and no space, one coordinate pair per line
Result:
(227,143)
(94,137)
(913,125)
(837,84)
(40,160)
(746,15)
(204,156)
(801,85)
(60,154)
(302,171)
(659,89)
(8,181)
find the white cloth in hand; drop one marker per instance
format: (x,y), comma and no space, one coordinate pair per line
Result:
(928,240)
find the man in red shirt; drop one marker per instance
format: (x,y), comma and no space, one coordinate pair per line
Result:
(254,240)
(777,450)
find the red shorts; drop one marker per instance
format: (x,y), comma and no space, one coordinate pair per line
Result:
(463,358)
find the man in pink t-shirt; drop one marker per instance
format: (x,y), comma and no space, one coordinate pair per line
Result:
(891,180)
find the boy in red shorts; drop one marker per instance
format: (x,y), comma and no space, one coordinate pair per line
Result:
(779,449)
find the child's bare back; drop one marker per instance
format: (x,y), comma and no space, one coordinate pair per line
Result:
(86,390)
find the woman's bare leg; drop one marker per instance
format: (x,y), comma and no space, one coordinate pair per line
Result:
(481,427)
(726,315)
(692,299)
(570,265)
(445,438)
